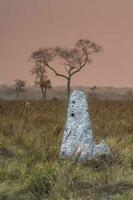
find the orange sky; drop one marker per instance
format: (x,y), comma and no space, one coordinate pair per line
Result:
(26,25)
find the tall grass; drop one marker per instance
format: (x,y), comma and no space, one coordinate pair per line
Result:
(30,139)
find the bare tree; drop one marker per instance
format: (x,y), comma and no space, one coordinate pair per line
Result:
(19,87)
(73,59)
(41,79)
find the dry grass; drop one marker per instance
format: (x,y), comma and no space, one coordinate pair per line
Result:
(30,138)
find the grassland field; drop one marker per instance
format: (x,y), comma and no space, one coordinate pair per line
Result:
(30,138)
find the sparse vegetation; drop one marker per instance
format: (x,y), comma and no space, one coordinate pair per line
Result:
(30,138)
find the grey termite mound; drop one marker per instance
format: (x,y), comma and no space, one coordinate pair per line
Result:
(78,140)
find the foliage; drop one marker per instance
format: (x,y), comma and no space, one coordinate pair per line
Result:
(19,86)
(39,72)
(41,79)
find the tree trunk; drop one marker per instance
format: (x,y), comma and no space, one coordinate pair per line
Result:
(43,93)
(68,88)
(17,94)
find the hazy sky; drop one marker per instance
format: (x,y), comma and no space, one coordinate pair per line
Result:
(26,25)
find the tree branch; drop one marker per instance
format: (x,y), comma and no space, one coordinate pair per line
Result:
(56,73)
(82,66)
